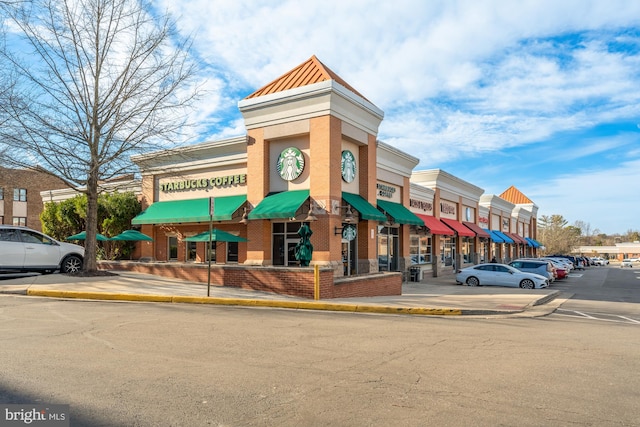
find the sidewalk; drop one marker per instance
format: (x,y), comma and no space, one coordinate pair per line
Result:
(433,296)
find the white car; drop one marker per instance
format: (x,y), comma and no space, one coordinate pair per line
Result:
(24,249)
(626,263)
(567,264)
(500,275)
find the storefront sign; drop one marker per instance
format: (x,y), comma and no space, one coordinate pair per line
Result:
(447,208)
(419,204)
(483,220)
(385,190)
(204,183)
(348,166)
(349,232)
(290,163)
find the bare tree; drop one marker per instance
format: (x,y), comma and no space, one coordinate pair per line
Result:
(586,231)
(101,80)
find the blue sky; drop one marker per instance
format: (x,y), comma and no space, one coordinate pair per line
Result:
(543,95)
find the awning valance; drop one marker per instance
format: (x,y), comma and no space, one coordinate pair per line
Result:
(504,237)
(458,227)
(435,225)
(517,238)
(280,205)
(192,210)
(366,209)
(494,237)
(533,242)
(477,229)
(399,213)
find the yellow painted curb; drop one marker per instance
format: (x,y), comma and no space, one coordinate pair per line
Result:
(303,305)
(98,295)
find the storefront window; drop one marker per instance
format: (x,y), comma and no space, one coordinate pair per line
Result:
(419,247)
(285,239)
(173,247)
(211,255)
(191,251)
(232,252)
(447,250)
(468,249)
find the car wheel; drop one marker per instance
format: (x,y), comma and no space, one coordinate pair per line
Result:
(473,281)
(71,264)
(527,284)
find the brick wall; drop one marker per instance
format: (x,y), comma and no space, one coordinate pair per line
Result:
(34,182)
(278,280)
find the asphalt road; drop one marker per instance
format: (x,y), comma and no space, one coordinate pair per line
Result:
(148,364)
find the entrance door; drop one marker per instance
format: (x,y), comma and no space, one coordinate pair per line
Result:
(388,249)
(290,259)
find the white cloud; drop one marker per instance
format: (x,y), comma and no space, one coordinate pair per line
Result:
(605,198)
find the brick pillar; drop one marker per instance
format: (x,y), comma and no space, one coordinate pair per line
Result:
(258,231)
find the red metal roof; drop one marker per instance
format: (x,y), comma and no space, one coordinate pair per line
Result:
(515,196)
(309,72)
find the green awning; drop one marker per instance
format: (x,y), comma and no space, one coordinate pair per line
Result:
(366,209)
(193,210)
(399,213)
(279,205)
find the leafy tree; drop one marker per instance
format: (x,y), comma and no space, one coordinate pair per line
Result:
(68,217)
(97,82)
(555,235)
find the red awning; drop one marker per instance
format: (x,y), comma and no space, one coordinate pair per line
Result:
(517,238)
(477,229)
(435,226)
(460,229)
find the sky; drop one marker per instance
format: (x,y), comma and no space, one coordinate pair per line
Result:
(543,95)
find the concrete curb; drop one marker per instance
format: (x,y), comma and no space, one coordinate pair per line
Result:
(299,305)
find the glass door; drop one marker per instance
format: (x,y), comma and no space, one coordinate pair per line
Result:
(291,260)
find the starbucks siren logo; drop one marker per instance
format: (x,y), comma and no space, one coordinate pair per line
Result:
(348,166)
(290,163)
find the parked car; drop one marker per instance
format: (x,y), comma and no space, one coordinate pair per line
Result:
(541,267)
(562,269)
(500,275)
(599,261)
(24,249)
(626,263)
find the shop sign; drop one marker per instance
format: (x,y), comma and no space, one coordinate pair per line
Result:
(204,183)
(483,220)
(419,204)
(447,208)
(290,163)
(385,190)
(348,166)
(349,232)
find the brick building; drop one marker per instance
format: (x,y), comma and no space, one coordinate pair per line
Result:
(21,202)
(310,156)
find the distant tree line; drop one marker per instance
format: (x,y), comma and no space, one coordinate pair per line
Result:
(558,237)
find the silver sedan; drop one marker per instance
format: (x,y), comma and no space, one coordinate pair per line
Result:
(500,275)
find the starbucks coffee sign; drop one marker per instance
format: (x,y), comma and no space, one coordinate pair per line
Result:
(203,183)
(348,166)
(290,163)
(349,232)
